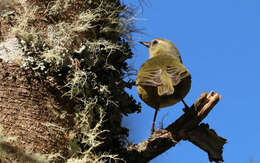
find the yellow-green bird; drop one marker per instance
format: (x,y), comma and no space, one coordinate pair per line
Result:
(162,80)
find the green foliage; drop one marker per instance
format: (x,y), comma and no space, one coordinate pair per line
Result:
(82,46)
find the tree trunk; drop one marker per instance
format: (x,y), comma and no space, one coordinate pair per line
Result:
(66,96)
(30,112)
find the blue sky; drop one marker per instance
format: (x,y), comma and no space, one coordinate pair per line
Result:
(219,41)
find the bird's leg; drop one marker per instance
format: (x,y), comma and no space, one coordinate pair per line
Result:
(186,106)
(154,118)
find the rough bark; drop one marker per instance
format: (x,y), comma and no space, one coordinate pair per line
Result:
(30,112)
(86,43)
(187,127)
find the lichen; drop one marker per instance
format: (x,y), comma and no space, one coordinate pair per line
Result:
(83,46)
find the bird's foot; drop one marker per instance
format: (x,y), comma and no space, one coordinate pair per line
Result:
(187,108)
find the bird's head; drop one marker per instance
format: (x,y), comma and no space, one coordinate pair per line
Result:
(160,46)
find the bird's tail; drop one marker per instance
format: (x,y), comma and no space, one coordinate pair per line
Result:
(166,88)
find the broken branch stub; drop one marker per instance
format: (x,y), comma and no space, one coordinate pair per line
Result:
(187,127)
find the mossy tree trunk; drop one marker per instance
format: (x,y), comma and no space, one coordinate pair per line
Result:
(62,93)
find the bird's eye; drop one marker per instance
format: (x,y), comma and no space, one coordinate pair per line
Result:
(154,42)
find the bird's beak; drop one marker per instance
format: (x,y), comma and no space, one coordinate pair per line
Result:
(147,44)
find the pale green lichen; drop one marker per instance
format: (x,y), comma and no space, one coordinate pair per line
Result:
(84,48)
(76,84)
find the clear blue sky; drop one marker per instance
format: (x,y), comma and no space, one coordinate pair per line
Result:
(219,41)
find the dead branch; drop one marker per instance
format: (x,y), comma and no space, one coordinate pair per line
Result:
(187,127)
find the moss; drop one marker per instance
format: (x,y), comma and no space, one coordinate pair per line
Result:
(83,46)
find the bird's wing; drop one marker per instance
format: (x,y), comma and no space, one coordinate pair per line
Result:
(149,77)
(176,73)
(163,73)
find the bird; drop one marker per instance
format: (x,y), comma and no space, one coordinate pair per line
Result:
(162,80)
